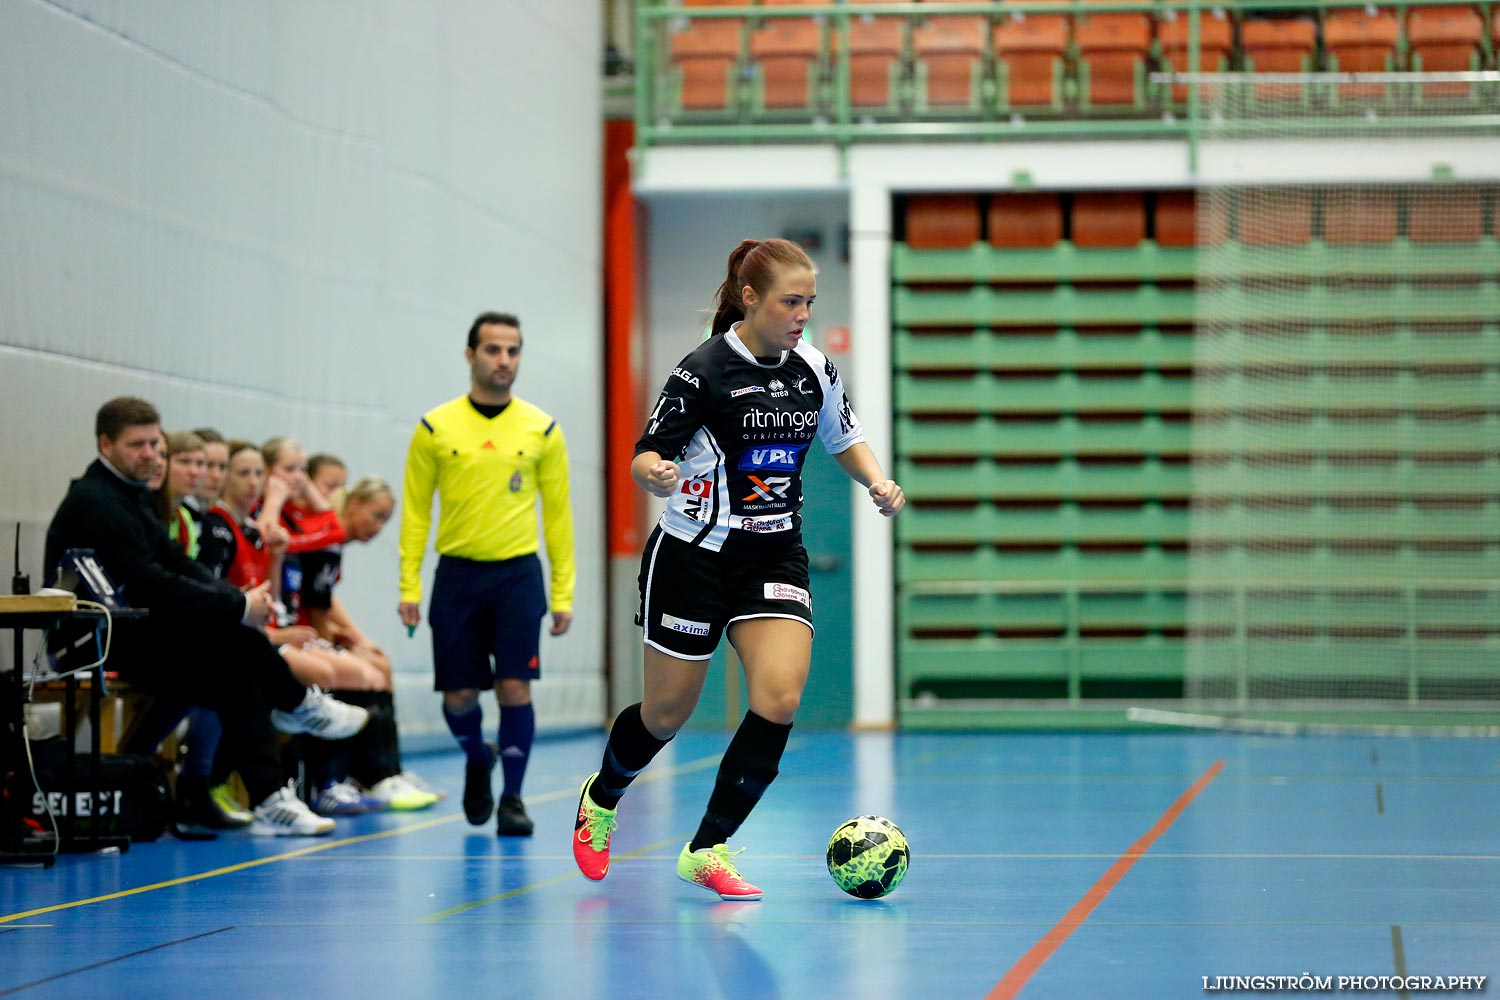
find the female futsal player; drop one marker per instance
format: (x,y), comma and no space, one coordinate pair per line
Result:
(725,447)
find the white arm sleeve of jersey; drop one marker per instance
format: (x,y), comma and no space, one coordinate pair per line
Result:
(838,428)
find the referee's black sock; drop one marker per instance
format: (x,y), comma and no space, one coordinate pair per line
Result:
(517,731)
(630,748)
(747,770)
(465,727)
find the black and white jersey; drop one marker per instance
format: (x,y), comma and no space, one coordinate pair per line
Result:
(739,429)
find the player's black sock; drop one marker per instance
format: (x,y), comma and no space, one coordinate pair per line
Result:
(376,753)
(630,748)
(335,760)
(747,770)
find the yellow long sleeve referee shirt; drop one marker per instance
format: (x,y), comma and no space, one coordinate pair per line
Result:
(488,474)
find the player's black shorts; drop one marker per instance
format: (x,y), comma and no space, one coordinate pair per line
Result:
(481,610)
(690,595)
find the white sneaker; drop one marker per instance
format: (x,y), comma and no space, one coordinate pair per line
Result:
(400,795)
(343,798)
(283,814)
(321,715)
(421,784)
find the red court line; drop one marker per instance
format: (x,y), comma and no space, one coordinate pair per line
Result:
(1028,963)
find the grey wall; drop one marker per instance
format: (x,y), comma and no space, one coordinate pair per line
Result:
(279,218)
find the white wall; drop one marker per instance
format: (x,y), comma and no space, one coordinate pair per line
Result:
(280,218)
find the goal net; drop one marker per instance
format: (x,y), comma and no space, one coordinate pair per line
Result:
(1344,539)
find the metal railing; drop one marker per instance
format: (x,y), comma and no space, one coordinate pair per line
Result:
(831,117)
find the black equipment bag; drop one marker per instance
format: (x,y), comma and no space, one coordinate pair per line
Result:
(133,797)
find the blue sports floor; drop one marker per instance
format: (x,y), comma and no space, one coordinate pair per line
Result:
(1072,865)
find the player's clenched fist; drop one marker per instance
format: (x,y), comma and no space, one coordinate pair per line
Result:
(662,478)
(888,497)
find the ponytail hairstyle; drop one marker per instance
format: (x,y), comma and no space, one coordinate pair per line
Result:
(754,263)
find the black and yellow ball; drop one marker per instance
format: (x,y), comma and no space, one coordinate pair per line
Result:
(868,856)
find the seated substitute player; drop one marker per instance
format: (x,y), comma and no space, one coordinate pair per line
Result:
(725,447)
(327,472)
(233,548)
(201,721)
(326,477)
(196,814)
(374,757)
(363,509)
(211,480)
(185,461)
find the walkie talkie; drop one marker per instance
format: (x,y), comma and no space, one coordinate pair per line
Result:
(20,583)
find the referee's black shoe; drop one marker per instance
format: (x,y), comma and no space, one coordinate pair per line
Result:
(479,800)
(511,819)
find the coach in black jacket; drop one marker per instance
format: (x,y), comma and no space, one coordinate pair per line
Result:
(194,646)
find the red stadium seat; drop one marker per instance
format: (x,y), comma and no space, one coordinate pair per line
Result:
(949,54)
(1215,41)
(1178,223)
(875,48)
(1276,217)
(1025,220)
(1113,49)
(1354,217)
(706,54)
(1445,40)
(1029,53)
(942,221)
(1281,45)
(1359,41)
(1109,218)
(785,54)
(1445,215)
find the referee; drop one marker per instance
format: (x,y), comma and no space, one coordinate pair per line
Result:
(489,455)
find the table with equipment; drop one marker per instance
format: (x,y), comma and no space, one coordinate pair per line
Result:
(45,612)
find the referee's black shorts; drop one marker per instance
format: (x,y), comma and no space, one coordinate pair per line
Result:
(486,621)
(690,595)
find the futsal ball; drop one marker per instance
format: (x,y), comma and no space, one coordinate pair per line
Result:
(867,856)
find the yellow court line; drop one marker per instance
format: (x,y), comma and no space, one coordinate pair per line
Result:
(544,884)
(693,765)
(230,869)
(922,760)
